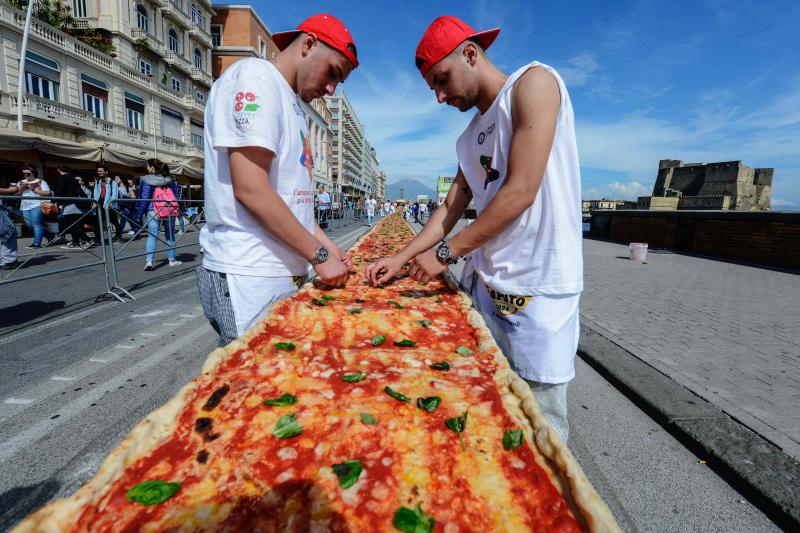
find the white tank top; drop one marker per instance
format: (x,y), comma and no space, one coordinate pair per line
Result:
(540,252)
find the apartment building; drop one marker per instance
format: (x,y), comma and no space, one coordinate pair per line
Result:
(238,32)
(141,95)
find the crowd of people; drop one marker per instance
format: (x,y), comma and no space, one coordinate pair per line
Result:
(158,208)
(367,208)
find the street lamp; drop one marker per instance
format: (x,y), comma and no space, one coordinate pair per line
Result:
(402,196)
(22,53)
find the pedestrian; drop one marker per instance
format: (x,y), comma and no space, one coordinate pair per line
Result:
(124,208)
(260,234)
(68,187)
(423,210)
(415,212)
(105,195)
(8,230)
(370,206)
(159,194)
(32,187)
(518,160)
(324,200)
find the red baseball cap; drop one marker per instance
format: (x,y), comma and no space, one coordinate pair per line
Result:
(328,29)
(443,36)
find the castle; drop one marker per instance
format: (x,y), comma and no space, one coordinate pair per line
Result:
(727,185)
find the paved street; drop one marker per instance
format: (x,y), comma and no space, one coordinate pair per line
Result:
(728,332)
(76,379)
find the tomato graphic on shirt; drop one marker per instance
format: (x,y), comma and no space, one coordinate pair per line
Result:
(491,174)
(306,159)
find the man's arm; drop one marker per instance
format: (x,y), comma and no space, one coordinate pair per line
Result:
(439,225)
(251,188)
(535,105)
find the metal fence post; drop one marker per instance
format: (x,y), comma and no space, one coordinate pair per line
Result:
(112,260)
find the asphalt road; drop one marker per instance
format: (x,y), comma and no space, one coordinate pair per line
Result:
(75,380)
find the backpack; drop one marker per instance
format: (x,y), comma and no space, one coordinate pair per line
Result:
(165,204)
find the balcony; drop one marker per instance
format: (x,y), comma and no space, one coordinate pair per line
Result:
(175,12)
(199,32)
(192,103)
(198,75)
(143,80)
(176,60)
(171,94)
(152,42)
(85,23)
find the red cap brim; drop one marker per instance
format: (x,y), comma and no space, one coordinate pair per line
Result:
(284,38)
(486,37)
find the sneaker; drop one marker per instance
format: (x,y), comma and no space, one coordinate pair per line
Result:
(69,246)
(148,266)
(87,244)
(129,232)
(9,266)
(33,246)
(175,263)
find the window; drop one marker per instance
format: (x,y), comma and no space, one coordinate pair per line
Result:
(262,48)
(95,95)
(171,124)
(196,133)
(79,8)
(142,18)
(145,67)
(173,40)
(198,58)
(200,96)
(42,76)
(216,35)
(197,16)
(176,85)
(134,111)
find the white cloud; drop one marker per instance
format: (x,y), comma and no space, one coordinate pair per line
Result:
(617,190)
(578,70)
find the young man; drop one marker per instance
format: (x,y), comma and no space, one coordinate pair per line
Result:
(260,234)
(324,201)
(370,206)
(105,192)
(518,158)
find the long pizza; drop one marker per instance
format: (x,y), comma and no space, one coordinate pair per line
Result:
(354,409)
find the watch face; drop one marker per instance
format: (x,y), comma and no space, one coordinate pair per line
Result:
(443,253)
(322,255)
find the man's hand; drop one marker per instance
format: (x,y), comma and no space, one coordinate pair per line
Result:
(425,266)
(383,269)
(332,272)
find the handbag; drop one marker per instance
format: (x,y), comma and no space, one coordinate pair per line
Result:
(49,209)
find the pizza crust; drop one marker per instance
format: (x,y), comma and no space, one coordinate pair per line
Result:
(160,424)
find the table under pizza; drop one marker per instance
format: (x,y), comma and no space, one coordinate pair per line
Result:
(353,409)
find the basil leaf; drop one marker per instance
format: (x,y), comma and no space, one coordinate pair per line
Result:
(463,350)
(424,323)
(368,418)
(399,396)
(354,311)
(513,438)
(360,301)
(413,520)
(408,294)
(392,302)
(287,427)
(440,366)
(288,346)
(328,297)
(438,300)
(152,492)
(377,340)
(405,342)
(317,301)
(429,404)
(354,378)
(458,424)
(347,472)
(282,400)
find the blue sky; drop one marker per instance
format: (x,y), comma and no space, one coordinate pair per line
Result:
(701,81)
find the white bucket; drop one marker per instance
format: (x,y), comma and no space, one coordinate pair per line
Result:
(638,251)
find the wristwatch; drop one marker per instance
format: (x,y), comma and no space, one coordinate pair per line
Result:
(320,256)
(444,256)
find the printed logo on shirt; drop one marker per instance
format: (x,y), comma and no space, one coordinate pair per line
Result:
(482,135)
(508,304)
(491,174)
(306,159)
(244,106)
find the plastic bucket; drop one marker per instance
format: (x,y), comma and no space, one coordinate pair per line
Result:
(638,251)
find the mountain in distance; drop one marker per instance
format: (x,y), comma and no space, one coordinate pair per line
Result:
(411,188)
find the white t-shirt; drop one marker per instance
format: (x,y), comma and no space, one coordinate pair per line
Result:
(27,205)
(370,204)
(541,251)
(324,200)
(253,105)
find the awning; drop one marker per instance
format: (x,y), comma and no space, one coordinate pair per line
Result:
(16,140)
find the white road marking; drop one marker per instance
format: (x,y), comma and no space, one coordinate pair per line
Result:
(98,360)
(62,378)
(187,316)
(125,346)
(18,401)
(171,324)
(149,334)
(150,314)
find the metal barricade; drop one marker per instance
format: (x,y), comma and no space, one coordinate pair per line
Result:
(162,217)
(13,275)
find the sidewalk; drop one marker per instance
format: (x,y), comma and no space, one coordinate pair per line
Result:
(729,333)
